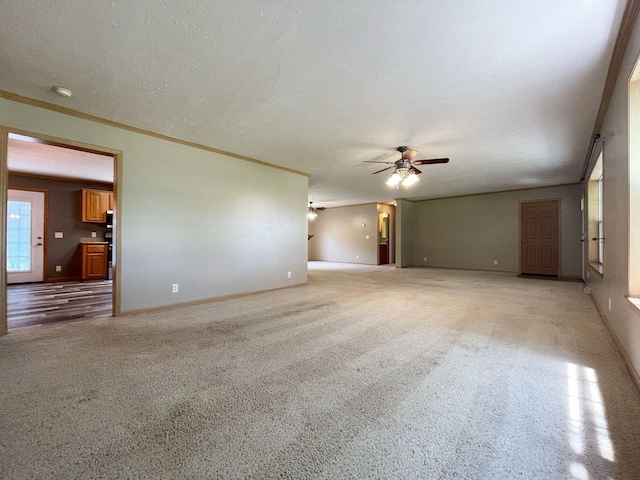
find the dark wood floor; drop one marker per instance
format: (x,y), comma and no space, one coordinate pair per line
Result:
(37,303)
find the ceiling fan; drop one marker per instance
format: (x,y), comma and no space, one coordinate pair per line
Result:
(405,173)
(312,212)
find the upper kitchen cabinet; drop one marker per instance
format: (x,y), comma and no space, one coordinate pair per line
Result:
(95,204)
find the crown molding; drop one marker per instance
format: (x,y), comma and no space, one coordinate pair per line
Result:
(85,116)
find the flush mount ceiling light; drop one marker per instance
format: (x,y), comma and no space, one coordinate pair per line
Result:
(63,92)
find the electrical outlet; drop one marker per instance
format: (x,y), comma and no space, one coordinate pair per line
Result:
(425,259)
(495,262)
(94,234)
(288,274)
(609,304)
(58,268)
(357,257)
(174,288)
(587,274)
(58,235)
(367,237)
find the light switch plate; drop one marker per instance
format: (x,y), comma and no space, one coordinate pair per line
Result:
(58,235)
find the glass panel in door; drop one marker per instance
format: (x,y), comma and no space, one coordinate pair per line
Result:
(18,236)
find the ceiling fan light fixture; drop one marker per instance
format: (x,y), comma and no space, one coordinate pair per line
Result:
(405,172)
(311,212)
(394,179)
(410,180)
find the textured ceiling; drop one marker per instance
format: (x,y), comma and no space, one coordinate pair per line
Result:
(509,90)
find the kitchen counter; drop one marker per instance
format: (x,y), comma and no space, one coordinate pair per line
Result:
(99,241)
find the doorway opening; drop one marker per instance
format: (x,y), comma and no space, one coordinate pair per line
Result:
(386,234)
(44,270)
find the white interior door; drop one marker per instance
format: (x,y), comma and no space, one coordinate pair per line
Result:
(25,236)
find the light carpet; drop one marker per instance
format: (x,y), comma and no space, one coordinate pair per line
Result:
(367,372)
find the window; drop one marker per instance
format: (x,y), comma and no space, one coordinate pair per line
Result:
(600,222)
(595,212)
(18,236)
(634,184)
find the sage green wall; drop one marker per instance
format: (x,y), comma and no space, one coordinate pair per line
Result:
(405,232)
(614,284)
(471,232)
(339,235)
(213,224)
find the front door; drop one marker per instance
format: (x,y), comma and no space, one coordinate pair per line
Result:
(25,236)
(539,238)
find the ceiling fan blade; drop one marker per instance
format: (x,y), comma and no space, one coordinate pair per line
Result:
(415,170)
(409,154)
(382,170)
(374,161)
(431,161)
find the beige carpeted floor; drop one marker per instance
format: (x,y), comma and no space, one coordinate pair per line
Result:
(367,372)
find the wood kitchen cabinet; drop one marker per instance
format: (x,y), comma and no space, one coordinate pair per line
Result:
(94,261)
(95,204)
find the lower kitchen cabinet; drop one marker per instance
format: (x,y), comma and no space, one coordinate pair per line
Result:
(94,261)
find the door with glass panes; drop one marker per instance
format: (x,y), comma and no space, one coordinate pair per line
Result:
(25,236)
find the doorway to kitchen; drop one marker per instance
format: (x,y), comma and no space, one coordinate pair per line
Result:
(78,276)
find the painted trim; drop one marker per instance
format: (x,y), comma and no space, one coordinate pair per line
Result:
(354,205)
(634,303)
(351,263)
(61,142)
(597,268)
(464,269)
(4,186)
(622,40)
(623,353)
(565,278)
(496,192)
(74,113)
(207,300)
(462,196)
(117,255)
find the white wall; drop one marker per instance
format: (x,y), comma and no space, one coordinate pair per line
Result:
(473,231)
(340,237)
(213,224)
(614,283)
